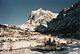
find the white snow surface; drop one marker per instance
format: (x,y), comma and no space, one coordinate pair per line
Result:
(38,17)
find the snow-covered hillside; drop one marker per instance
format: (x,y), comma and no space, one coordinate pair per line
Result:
(39,17)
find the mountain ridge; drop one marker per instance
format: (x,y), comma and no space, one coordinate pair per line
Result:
(38,17)
(67,23)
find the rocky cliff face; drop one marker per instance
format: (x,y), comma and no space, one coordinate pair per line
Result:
(67,23)
(39,17)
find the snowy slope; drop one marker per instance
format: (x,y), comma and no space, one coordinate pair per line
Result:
(39,17)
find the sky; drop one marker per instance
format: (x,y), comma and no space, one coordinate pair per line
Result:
(17,11)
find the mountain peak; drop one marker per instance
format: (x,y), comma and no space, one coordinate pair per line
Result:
(41,12)
(40,17)
(40,9)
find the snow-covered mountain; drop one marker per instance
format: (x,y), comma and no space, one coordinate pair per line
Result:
(23,26)
(39,17)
